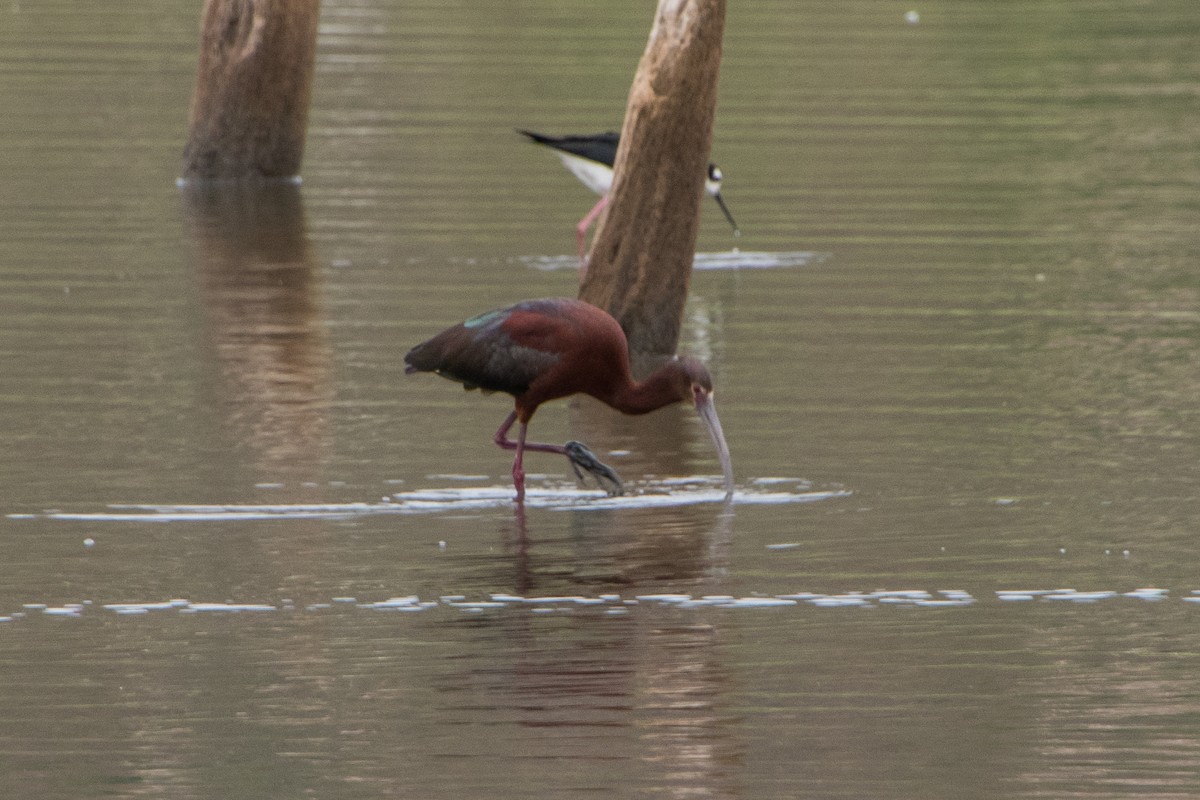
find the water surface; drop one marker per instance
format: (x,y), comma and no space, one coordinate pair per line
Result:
(961,326)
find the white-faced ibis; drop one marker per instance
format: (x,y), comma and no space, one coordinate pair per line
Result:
(541,350)
(590,158)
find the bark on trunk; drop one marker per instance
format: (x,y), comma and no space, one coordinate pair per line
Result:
(249,110)
(641,258)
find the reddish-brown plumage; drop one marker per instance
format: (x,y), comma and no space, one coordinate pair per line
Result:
(542,350)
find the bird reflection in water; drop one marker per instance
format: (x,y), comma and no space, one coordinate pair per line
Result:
(648,689)
(257,281)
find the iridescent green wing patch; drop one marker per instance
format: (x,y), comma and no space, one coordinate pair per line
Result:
(480,320)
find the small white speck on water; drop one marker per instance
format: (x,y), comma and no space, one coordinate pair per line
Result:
(1062,551)
(89,542)
(912,17)
(442,545)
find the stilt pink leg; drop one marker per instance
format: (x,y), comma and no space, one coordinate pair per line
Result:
(581,232)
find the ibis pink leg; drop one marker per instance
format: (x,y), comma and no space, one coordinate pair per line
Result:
(520,445)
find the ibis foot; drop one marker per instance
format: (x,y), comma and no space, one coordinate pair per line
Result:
(584,460)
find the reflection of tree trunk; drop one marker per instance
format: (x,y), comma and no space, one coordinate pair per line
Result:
(256,276)
(253,84)
(689,743)
(646,696)
(641,258)
(683,546)
(651,686)
(652,445)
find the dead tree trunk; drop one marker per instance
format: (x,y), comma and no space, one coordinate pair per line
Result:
(641,258)
(250,106)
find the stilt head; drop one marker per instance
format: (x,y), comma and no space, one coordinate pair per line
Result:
(712,187)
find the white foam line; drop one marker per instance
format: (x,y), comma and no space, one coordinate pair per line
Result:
(195,608)
(63,611)
(1080,597)
(608,603)
(737,259)
(430,501)
(724,260)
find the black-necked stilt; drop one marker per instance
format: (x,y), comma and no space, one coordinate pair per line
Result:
(590,158)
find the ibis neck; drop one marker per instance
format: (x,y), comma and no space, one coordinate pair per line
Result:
(658,390)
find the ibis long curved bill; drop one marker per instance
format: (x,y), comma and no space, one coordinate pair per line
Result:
(708,414)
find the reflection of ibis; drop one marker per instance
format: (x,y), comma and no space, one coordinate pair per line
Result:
(540,350)
(590,158)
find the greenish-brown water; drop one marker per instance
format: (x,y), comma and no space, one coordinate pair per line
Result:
(972,355)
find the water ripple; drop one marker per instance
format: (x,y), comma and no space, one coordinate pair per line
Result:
(668,493)
(727,260)
(607,604)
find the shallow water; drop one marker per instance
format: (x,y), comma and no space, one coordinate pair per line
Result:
(955,350)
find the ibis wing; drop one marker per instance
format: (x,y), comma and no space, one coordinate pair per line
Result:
(495,352)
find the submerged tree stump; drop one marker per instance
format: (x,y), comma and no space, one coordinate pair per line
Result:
(640,263)
(249,110)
